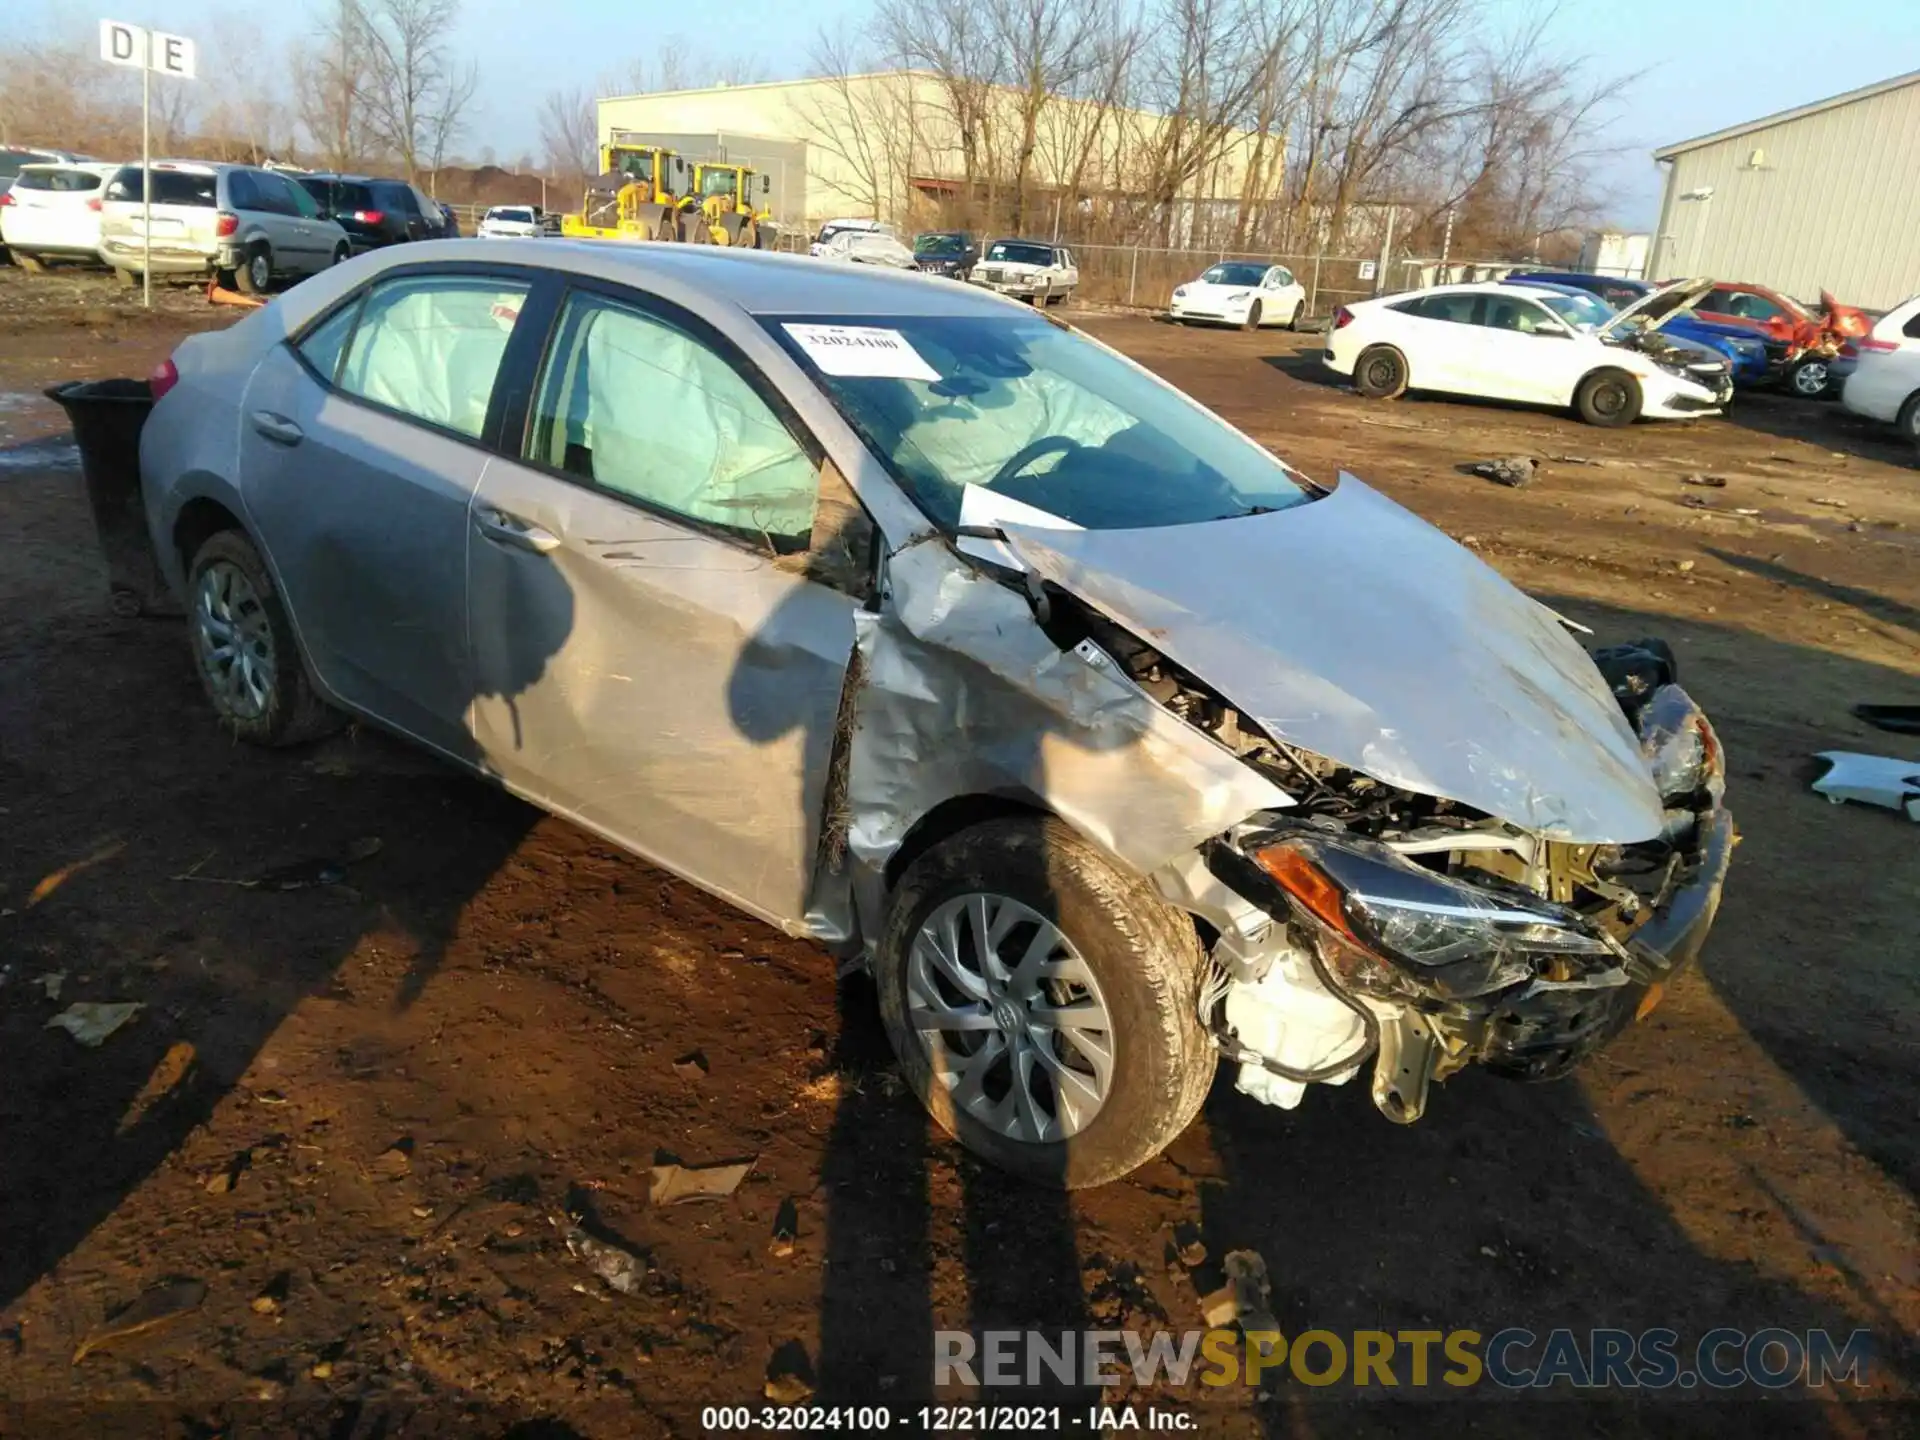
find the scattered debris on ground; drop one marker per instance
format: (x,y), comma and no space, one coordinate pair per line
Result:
(789,1375)
(621,1268)
(300,874)
(92,1021)
(66,872)
(165,1302)
(1709,482)
(786,1229)
(1515,472)
(677,1184)
(1882,780)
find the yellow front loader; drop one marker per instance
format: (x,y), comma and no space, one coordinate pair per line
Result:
(636,196)
(728,206)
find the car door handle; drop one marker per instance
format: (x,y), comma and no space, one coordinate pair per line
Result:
(505,529)
(277,428)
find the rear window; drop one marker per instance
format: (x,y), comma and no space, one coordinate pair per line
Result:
(170,187)
(59,180)
(520,217)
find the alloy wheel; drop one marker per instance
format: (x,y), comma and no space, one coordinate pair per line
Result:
(1015,1027)
(260,271)
(1810,379)
(233,641)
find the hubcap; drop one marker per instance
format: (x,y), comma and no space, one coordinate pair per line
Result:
(260,271)
(233,640)
(1013,1021)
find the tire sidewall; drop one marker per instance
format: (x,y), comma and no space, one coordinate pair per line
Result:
(1253,317)
(289,681)
(1626,415)
(1376,392)
(1144,955)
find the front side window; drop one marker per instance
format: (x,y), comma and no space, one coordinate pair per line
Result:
(640,407)
(1036,413)
(300,201)
(1517,314)
(429,346)
(1581,311)
(1752,307)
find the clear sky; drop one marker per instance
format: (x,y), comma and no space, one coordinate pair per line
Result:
(1708,63)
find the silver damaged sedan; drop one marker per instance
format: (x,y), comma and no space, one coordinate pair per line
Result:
(908,619)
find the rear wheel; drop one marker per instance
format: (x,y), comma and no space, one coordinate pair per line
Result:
(256,275)
(1380,373)
(1252,322)
(244,648)
(1299,311)
(1908,422)
(1043,1002)
(126,279)
(341,254)
(32,264)
(1608,398)
(1811,378)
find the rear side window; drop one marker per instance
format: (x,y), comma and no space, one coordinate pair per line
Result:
(395,197)
(429,346)
(1455,309)
(1912,328)
(170,187)
(66,182)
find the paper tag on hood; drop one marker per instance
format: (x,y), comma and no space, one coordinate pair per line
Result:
(861,350)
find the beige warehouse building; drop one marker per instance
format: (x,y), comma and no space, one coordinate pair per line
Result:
(1818,198)
(885,144)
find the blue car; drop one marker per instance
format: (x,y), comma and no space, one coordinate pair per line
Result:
(1745,351)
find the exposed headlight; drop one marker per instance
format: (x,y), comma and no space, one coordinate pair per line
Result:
(1680,747)
(1393,922)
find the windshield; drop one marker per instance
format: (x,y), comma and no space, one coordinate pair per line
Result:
(1020,254)
(1234,274)
(939,245)
(718,182)
(1040,415)
(1583,312)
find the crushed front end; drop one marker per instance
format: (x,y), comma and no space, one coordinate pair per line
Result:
(1413,934)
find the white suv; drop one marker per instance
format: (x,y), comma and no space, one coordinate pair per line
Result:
(52,212)
(1885,382)
(222,220)
(511,222)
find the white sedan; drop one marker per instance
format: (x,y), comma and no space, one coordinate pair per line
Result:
(867,247)
(1884,384)
(1539,344)
(1247,293)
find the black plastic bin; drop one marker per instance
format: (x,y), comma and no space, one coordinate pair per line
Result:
(107,416)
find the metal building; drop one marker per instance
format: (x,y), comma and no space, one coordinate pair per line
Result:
(1817,198)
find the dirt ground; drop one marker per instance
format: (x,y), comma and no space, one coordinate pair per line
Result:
(354,1112)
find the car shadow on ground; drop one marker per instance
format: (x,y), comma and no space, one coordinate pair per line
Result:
(1821,423)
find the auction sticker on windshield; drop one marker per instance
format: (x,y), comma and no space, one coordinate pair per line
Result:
(861,350)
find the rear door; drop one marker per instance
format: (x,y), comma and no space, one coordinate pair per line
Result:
(295,242)
(1440,338)
(661,635)
(361,445)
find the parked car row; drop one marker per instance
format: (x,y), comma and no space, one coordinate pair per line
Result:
(248,225)
(1040,272)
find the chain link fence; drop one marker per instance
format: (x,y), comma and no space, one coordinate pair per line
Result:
(1143,277)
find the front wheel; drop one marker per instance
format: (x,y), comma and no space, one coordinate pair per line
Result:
(1043,1003)
(1252,322)
(1608,398)
(1811,378)
(1299,311)
(1380,373)
(244,648)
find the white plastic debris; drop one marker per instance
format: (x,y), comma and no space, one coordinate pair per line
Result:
(1872,780)
(92,1021)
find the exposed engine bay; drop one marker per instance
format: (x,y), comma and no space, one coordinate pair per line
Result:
(1422,935)
(1690,361)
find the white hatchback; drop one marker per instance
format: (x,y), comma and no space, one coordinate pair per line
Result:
(52,212)
(1247,293)
(518,222)
(1885,382)
(1539,344)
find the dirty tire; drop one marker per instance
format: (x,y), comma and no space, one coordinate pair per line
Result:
(294,713)
(341,254)
(1811,379)
(1608,398)
(256,276)
(1143,953)
(1908,422)
(1299,311)
(126,279)
(1380,373)
(32,264)
(1252,321)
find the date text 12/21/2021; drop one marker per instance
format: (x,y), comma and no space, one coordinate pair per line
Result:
(943,1419)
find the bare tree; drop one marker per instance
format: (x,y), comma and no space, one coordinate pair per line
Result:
(416,92)
(570,131)
(862,114)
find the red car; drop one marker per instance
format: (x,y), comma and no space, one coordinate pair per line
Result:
(1799,345)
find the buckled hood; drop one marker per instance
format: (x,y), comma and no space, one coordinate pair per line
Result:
(1351,628)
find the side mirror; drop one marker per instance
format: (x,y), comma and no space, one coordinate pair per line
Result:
(766,184)
(1558,332)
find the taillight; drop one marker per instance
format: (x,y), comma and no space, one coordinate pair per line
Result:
(165,376)
(1883,346)
(1342,318)
(369,217)
(94,203)
(226,223)
(6,197)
